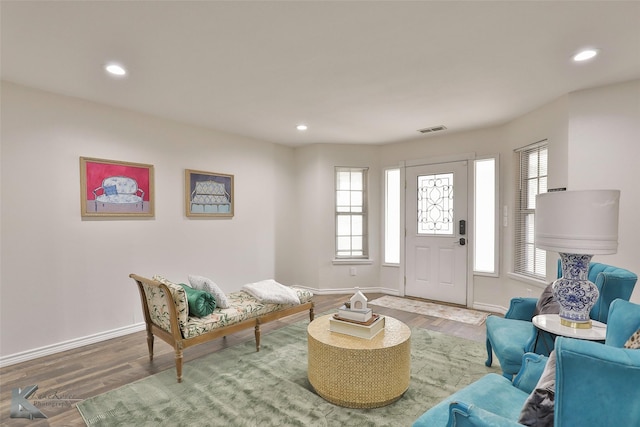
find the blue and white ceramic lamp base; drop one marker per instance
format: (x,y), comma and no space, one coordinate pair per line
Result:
(575,294)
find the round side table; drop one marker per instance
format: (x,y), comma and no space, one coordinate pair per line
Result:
(551,323)
(357,372)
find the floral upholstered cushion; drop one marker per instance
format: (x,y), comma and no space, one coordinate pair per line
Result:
(242,306)
(156,304)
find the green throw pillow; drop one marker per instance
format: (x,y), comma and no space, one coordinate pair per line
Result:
(201,303)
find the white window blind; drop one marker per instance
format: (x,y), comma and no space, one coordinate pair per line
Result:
(532,180)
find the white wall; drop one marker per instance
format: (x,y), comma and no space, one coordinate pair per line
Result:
(64,277)
(549,122)
(315,166)
(604,148)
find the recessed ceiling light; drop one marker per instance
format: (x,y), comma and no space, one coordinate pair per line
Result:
(115,69)
(302,127)
(583,55)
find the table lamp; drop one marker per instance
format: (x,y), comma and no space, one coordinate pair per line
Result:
(577,225)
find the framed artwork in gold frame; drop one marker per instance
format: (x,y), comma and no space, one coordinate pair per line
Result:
(111,188)
(208,194)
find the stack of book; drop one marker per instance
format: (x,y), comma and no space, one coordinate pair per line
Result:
(347,313)
(361,329)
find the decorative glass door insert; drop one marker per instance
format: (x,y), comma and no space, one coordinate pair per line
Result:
(435,204)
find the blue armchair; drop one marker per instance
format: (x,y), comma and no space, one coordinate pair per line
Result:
(513,335)
(596,384)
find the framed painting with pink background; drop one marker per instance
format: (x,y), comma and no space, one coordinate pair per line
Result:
(113,188)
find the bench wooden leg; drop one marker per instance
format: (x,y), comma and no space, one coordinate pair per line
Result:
(311,314)
(150,345)
(179,363)
(257,334)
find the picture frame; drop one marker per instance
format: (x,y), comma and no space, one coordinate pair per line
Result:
(112,188)
(208,194)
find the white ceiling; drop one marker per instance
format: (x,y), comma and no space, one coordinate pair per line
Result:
(354,72)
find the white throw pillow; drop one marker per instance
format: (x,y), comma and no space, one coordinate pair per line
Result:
(207,285)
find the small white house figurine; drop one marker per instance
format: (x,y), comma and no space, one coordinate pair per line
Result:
(358,301)
(356,308)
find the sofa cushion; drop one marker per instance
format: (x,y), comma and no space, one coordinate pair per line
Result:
(493,393)
(208,285)
(180,299)
(110,190)
(538,409)
(242,306)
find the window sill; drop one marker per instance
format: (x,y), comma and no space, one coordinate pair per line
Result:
(354,261)
(528,280)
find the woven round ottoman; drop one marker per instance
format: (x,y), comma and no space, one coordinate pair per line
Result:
(357,372)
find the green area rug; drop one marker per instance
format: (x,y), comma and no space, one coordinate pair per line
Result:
(241,387)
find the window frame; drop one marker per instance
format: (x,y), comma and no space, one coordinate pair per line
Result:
(392,226)
(478,225)
(364,214)
(525,251)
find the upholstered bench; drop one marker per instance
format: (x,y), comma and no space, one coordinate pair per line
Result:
(166,315)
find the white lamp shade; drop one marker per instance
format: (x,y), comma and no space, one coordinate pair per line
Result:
(578,222)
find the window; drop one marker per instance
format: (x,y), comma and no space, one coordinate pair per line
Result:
(532,180)
(351,213)
(485,249)
(392,216)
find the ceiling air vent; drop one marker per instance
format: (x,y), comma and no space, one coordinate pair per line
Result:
(432,129)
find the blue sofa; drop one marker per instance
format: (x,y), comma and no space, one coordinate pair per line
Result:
(513,335)
(596,384)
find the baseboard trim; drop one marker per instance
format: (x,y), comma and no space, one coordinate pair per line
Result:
(489,307)
(24,356)
(334,291)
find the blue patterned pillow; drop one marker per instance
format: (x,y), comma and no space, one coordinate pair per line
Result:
(110,190)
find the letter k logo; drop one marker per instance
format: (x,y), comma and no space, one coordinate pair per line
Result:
(20,407)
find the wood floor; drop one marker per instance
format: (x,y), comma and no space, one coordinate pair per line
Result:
(65,378)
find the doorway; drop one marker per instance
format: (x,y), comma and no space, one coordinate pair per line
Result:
(436,242)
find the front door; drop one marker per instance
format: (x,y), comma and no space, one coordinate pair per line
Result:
(436,239)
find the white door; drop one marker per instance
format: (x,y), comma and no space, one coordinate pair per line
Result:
(436,239)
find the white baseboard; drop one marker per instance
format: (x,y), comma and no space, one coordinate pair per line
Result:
(377,290)
(489,307)
(24,356)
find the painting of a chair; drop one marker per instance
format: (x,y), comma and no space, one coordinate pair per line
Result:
(120,190)
(211,196)
(113,188)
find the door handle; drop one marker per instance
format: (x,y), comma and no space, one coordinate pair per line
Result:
(462,241)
